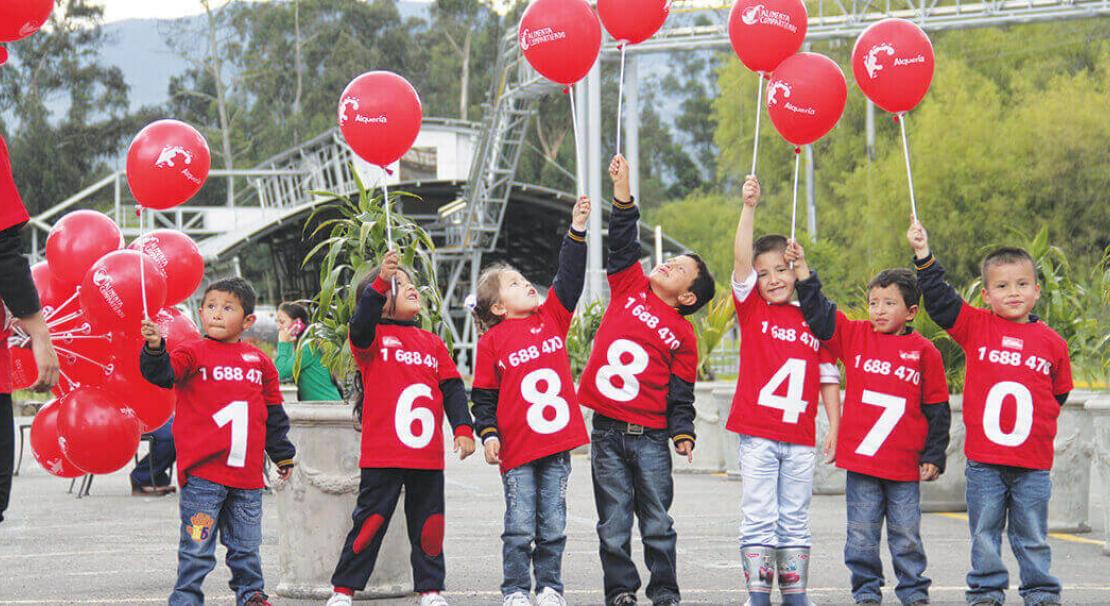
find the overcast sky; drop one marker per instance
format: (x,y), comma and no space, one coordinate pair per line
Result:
(116,10)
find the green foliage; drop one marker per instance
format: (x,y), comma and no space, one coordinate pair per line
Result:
(355,241)
(711,325)
(580,338)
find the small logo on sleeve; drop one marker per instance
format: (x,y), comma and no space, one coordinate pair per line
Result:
(1013,343)
(391,341)
(251,357)
(910,356)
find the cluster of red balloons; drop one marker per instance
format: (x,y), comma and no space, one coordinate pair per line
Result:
(91,295)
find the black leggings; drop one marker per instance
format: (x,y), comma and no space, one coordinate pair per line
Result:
(7,450)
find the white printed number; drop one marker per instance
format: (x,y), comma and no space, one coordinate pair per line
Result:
(407,412)
(793,373)
(893,409)
(992,414)
(236,414)
(540,401)
(630,387)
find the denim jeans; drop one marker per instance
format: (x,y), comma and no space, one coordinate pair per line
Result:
(161,457)
(207,507)
(535,524)
(632,474)
(1017,499)
(872,500)
(777,481)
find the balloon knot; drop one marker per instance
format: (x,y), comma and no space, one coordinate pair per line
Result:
(797,150)
(566,90)
(388,170)
(897,118)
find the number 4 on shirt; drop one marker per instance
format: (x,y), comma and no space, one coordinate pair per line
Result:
(793,373)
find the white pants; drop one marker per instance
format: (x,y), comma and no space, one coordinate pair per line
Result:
(777,486)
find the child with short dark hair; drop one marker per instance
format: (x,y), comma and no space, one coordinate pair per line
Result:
(229,410)
(410,381)
(640,383)
(527,414)
(1018,376)
(783,368)
(893,429)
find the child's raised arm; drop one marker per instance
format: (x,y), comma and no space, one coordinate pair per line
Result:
(942,302)
(571,275)
(624,241)
(742,247)
(364,322)
(819,311)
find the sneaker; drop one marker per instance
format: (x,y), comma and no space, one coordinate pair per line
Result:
(985,603)
(258,599)
(516,599)
(878,603)
(433,598)
(550,597)
(668,602)
(920,603)
(339,599)
(624,599)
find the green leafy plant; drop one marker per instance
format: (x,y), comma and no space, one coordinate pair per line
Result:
(580,337)
(711,326)
(354,244)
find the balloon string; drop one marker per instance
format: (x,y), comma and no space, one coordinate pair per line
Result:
(72,384)
(909,171)
(794,213)
(758,114)
(63,319)
(620,99)
(388,228)
(66,337)
(142,271)
(64,304)
(68,352)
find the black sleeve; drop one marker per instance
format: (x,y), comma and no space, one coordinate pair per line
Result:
(485,412)
(680,410)
(624,236)
(571,274)
(939,417)
(819,311)
(455,404)
(367,315)
(1062,398)
(155,366)
(17,289)
(942,302)
(278,446)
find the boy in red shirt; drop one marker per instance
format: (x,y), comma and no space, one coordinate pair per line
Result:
(640,383)
(229,410)
(893,429)
(782,369)
(1018,376)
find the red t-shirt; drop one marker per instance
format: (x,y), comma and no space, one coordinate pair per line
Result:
(402,410)
(888,380)
(641,342)
(12,211)
(1014,373)
(224,391)
(782,366)
(525,359)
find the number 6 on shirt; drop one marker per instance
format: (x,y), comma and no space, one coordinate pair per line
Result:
(407,412)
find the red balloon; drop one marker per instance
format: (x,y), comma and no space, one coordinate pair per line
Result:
(86,359)
(178,257)
(95,431)
(24,370)
(77,241)
(167,164)
(380,116)
(633,21)
(51,291)
(44,443)
(21,18)
(561,39)
(176,326)
(806,97)
(111,293)
(765,32)
(893,64)
(153,405)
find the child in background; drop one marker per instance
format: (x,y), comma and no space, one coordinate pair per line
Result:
(527,414)
(229,410)
(1018,377)
(409,381)
(782,369)
(314,382)
(640,383)
(893,429)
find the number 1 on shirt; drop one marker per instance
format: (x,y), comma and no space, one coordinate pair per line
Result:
(236,414)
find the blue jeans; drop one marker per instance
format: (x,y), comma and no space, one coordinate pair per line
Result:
(777,480)
(632,474)
(1017,499)
(870,501)
(161,457)
(237,514)
(535,524)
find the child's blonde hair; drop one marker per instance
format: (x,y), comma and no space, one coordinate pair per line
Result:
(487,294)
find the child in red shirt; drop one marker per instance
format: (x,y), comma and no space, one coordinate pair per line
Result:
(527,414)
(893,429)
(409,382)
(229,410)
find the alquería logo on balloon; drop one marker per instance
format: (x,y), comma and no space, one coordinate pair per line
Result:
(103,282)
(761,15)
(166,159)
(352,103)
(871,60)
(778,86)
(532,38)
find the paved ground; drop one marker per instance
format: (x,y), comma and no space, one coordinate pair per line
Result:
(111,548)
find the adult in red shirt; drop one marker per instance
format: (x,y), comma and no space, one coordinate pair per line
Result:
(19,297)
(1018,376)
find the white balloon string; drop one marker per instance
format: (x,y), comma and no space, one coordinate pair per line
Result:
(56,310)
(758,114)
(574,127)
(142,270)
(909,171)
(74,354)
(794,213)
(620,99)
(388,227)
(62,320)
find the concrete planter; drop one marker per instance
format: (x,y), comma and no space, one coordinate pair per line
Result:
(730,442)
(1069,509)
(1099,411)
(709,456)
(948,492)
(289,393)
(315,506)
